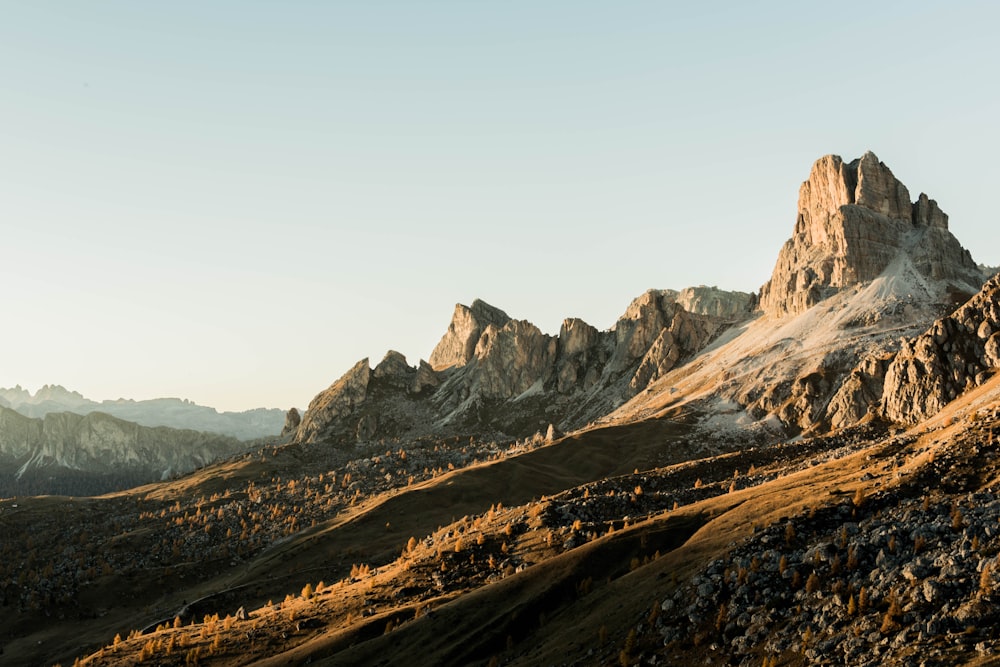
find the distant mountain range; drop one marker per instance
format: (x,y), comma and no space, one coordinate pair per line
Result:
(74,454)
(172,412)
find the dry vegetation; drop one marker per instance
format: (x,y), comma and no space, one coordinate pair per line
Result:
(785,555)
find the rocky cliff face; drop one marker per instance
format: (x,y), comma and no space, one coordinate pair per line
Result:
(458,345)
(854,220)
(957,353)
(339,400)
(494,373)
(865,268)
(865,271)
(292,421)
(102,444)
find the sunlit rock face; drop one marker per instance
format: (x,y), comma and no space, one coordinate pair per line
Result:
(956,354)
(854,220)
(492,373)
(458,345)
(339,400)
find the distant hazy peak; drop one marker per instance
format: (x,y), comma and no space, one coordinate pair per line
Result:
(172,412)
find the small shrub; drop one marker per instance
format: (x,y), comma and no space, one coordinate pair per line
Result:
(812,583)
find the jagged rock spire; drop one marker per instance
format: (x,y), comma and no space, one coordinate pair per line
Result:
(855,219)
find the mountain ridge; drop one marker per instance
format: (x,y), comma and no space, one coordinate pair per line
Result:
(100,449)
(172,412)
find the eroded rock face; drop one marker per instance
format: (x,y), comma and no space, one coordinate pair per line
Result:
(860,393)
(853,221)
(458,344)
(957,353)
(336,402)
(581,356)
(492,372)
(292,421)
(713,301)
(393,370)
(640,325)
(512,358)
(424,379)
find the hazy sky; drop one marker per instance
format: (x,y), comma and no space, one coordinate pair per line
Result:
(233,202)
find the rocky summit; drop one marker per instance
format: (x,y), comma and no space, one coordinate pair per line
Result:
(855,221)
(502,376)
(802,476)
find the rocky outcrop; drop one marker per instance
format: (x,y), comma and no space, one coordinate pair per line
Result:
(101,444)
(512,358)
(860,393)
(494,373)
(853,221)
(424,379)
(335,403)
(581,356)
(928,371)
(458,344)
(292,421)
(957,353)
(394,371)
(718,303)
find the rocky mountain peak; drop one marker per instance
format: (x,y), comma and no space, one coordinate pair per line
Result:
(458,345)
(854,220)
(338,400)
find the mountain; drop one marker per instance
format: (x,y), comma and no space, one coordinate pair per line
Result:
(864,268)
(804,476)
(173,412)
(855,224)
(94,453)
(504,377)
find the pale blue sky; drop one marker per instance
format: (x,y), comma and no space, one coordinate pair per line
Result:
(232,202)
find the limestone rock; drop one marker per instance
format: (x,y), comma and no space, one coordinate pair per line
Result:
(576,337)
(581,356)
(657,332)
(859,393)
(712,301)
(511,358)
(367,427)
(394,371)
(661,357)
(640,325)
(425,378)
(292,421)
(458,345)
(336,402)
(954,355)
(492,372)
(853,221)
(878,190)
